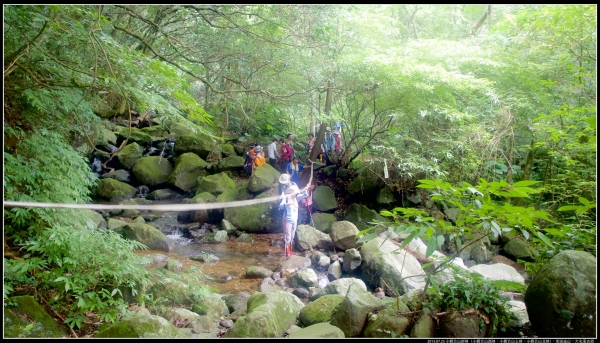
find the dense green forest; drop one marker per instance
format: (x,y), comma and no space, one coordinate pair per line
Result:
(497,100)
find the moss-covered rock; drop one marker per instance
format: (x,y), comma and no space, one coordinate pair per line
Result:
(459,325)
(141,327)
(228,150)
(268,315)
(319,330)
(343,235)
(352,312)
(179,129)
(263,178)
(28,312)
(320,310)
(386,196)
(162,194)
(188,167)
(212,306)
(112,189)
(231,163)
(254,218)
(424,327)
(361,215)
(365,183)
(146,234)
(561,299)
(323,221)
(137,136)
(200,145)
(119,174)
(386,323)
(324,199)
(154,131)
(215,184)
(519,249)
(152,170)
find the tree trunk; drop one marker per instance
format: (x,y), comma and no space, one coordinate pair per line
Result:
(328,99)
(527,169)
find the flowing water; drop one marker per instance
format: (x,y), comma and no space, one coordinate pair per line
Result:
(234,258)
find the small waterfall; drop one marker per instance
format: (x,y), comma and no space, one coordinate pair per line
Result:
(97,165)
(176,236)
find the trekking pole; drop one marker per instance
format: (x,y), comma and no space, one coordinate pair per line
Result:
(308,185)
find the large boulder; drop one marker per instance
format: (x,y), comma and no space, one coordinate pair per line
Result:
(188,167)
(144,326)
(197,216)
(200,145)
(179,129)
(231,163)
(129,154)
(254,218)
(152,170)
(519,249)
(424,327)
(459,325)
(498,271)
(343,235)
(320,310)
(319,330)
(150,236)
(112,189)
(137,136)
(28,313)
(352,312)
(365,183)
(361,215)
(340,287)
(263,178)
(561,299)
(386,196)
(119,175)
(386,261)
(215,184)
(324,199)
(323,221)
(308,237)
(269,315)
(228,150)
(387,323)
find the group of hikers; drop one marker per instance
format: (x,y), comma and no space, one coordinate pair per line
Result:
(281,156)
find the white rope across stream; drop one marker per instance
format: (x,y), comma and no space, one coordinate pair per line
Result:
(171,207)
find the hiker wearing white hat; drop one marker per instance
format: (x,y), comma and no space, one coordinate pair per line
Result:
(289,203)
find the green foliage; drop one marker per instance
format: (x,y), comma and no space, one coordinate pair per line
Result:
(472,291)
(83,268)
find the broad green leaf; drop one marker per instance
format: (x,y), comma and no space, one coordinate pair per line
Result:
(584,201)
(367,238)
(408,239)
(525,234)
(525,183)
(555,232)
(568,208)
(440,240)
(545,239)
(431,245)
(386,213)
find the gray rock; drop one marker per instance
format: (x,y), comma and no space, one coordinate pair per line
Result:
(561,299)
(498,271)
